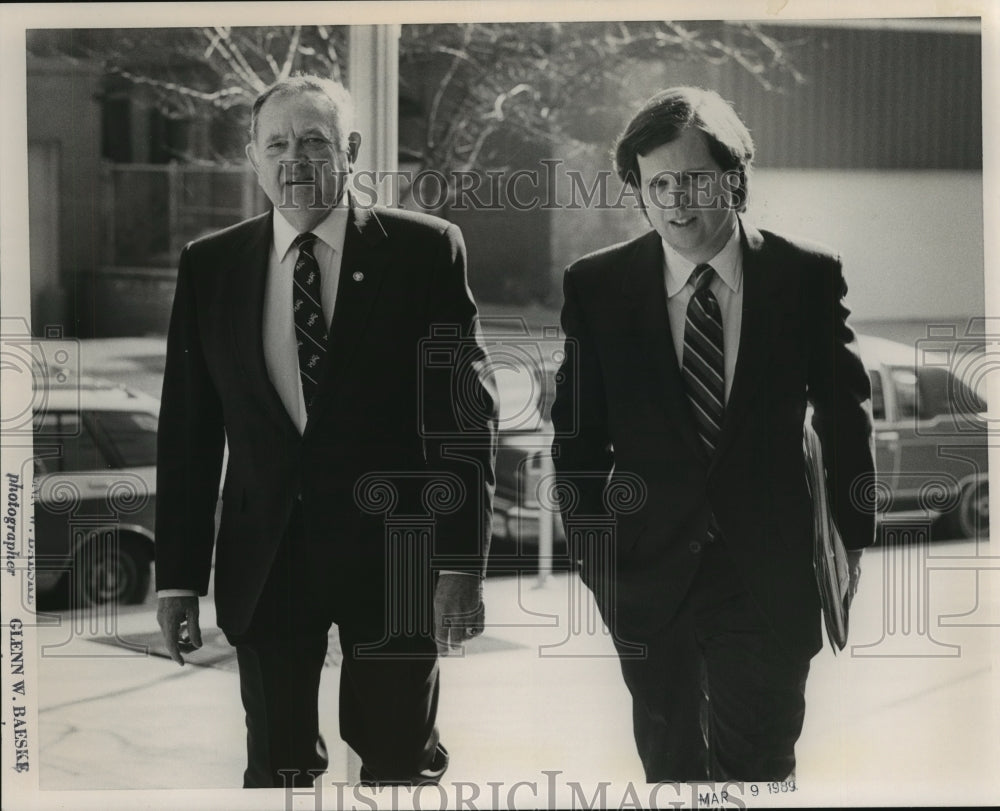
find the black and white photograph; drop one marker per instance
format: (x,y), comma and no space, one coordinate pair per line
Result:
(499,405)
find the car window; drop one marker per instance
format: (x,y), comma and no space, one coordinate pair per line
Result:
(904,386)
(932,391)
(66,444)
(878,395)
(132,434)
(965,398)
(941,393)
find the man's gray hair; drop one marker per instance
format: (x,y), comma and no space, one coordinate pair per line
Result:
(303,83)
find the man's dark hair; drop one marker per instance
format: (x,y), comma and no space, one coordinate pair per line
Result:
(662,119)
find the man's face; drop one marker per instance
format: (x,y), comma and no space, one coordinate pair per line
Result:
(688,199)
(298,158)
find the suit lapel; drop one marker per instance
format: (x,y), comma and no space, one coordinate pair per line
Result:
(757,284)
(246,283)
(645,288)
(362,269)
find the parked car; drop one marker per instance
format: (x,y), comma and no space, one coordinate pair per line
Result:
(95,458)
(930,445)
(930,437)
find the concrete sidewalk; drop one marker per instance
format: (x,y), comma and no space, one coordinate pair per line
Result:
(114,717)
(537,694)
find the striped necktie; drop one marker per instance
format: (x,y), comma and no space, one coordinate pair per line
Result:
(703,359)
(310,327)
(704,367)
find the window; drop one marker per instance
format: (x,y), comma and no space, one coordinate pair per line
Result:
(132,434)
(878,396)
(63,443)
(940,393)
(932,392)
(904,384)
(967,399)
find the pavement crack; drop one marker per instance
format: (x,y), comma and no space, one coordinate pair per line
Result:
(114,693)
(68,730)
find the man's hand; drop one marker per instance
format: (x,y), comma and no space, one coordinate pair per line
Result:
(178,618)
(459,614)
(854,570)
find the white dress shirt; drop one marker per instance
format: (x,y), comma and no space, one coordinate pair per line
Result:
(281,352)
(728,289)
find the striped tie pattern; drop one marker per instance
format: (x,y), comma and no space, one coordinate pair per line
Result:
(704,366)
(703,359)
(310,327)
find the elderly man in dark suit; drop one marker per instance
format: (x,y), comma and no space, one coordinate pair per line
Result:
(692,354)
(296,339)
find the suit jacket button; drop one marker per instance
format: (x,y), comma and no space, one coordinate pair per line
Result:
(695,547)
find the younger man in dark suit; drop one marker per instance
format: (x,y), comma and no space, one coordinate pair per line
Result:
(692,353)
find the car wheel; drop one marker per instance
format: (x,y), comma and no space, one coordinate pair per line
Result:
(107,570)
(972,516)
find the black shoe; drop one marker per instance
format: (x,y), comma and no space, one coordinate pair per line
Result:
(429,776)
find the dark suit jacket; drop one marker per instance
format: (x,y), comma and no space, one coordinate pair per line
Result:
(380,409)
(623,425)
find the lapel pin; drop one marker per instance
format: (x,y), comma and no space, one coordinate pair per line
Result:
(358,276)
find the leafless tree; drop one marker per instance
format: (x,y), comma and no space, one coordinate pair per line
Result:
(483,84)
(544,81)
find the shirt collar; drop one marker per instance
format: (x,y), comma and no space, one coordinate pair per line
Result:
(727,263)
(330,231)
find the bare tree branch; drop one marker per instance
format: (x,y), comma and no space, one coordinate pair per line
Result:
(224,97)
(234,57)
(457,58)
(482,89)
(331,52)
(471,161)
(290,52)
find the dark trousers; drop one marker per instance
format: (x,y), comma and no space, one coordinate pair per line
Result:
(388,684)
(717,696)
